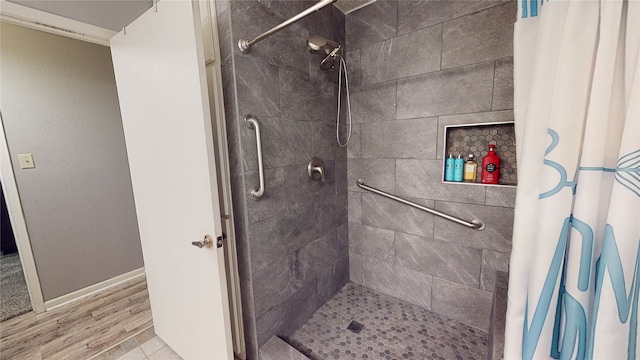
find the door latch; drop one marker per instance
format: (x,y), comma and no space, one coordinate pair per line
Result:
(220,240)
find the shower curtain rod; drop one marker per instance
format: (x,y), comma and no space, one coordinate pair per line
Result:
(244,45)
(476,224)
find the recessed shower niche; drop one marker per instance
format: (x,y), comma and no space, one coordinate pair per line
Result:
(475,139)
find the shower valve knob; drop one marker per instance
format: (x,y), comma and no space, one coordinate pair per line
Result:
(315,169)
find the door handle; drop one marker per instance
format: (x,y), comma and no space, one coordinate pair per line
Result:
(207,241)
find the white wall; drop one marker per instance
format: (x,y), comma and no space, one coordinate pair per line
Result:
(59,102)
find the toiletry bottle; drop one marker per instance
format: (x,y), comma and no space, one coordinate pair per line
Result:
(490,167)
(470,169)
(448,168)
(458,165)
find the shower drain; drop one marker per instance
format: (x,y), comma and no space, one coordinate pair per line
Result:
(355,327)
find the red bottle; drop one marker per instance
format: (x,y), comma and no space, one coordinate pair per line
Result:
(490,167)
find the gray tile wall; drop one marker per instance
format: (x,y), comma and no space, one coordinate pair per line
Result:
(293,242)
(416,66)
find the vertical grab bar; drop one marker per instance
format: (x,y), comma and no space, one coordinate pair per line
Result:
(252,123)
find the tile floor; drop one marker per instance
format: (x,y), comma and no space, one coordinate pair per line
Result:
(393,329)
(144,346)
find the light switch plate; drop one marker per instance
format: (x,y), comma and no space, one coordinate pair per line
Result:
(26,161)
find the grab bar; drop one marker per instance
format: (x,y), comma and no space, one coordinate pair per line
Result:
(252,123)
(476,224)
(244,45)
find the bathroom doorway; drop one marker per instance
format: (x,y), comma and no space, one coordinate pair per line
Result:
(14,294)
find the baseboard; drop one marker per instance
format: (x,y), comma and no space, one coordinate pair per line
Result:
(93,289)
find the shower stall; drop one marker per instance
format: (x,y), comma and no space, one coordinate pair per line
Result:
(413,68)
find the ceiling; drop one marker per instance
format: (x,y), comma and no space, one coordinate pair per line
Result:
(108,14)
(116,14)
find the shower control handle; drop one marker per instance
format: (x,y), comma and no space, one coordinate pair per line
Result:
(315,169)
(318,170)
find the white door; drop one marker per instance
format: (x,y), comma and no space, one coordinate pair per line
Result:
(160,75)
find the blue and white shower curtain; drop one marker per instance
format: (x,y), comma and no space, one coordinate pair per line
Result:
(575,266)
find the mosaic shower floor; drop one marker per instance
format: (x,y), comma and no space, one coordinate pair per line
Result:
(393,329)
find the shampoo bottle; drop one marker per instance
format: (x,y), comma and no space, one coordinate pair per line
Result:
(448,168)
(458,165)
(490,167)
(470,169)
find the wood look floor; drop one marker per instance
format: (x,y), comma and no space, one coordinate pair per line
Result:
(79,330)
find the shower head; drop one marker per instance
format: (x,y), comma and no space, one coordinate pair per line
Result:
(318,44)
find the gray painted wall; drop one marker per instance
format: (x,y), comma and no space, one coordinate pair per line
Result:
(292,243)
(417,66)
(59,102)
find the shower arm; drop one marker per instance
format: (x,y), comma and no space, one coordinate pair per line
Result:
(244,45)
(333,44)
